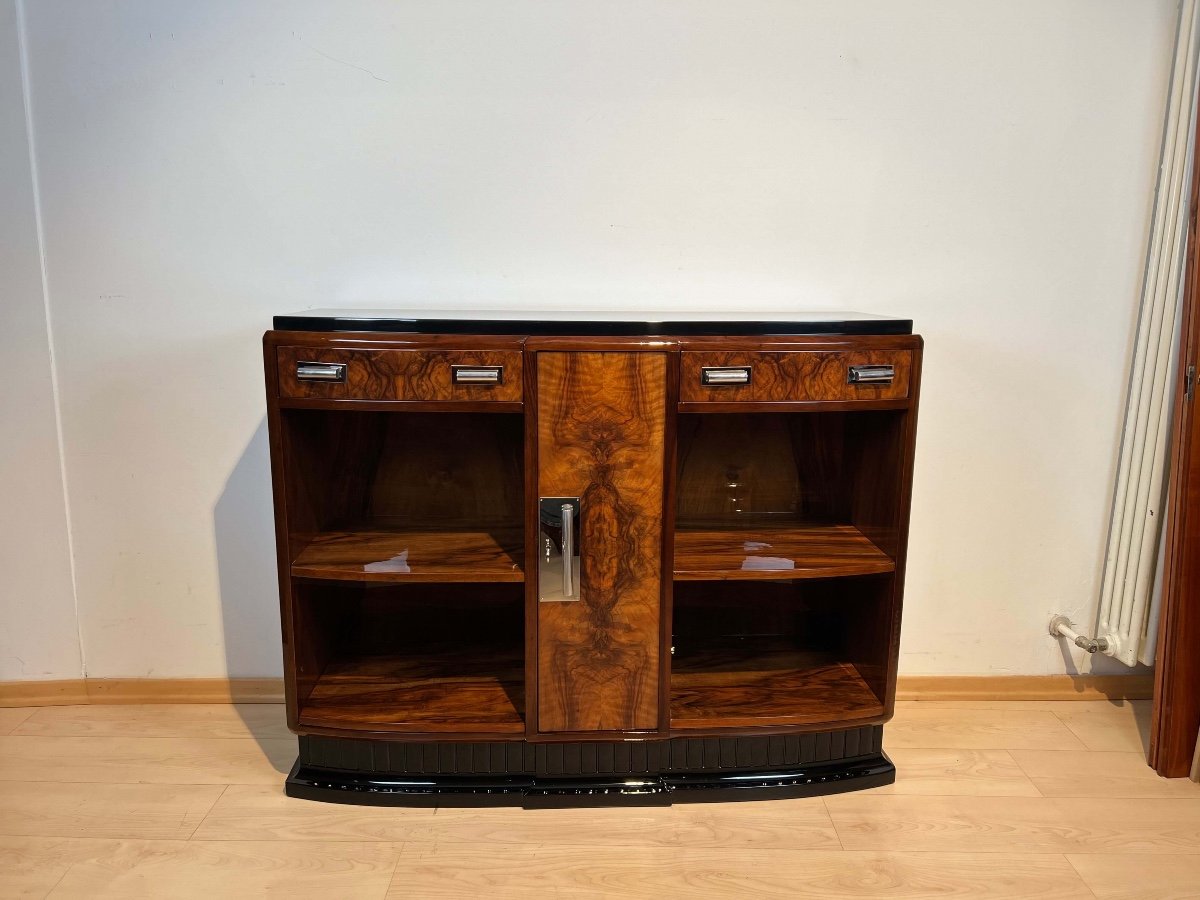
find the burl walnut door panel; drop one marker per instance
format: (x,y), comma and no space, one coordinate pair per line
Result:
(601,418)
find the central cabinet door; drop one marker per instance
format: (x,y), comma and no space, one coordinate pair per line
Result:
(600,446)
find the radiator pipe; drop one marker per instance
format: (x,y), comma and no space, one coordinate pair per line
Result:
(1061,626)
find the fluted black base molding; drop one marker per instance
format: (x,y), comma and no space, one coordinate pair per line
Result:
(384,773)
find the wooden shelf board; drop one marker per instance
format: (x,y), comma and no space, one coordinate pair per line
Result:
(441,688)
(747,686)
(409,556)
(774,552)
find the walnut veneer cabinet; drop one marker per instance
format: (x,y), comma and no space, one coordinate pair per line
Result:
(532,558)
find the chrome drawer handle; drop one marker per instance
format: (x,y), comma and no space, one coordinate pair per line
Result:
(477,374)
(871,375)
(315,371)
(731,375)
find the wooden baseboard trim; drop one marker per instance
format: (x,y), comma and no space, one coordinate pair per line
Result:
(1025,687)
(81,692)
(184,690)
(44,693)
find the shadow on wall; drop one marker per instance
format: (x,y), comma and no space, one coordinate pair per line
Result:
(244,529)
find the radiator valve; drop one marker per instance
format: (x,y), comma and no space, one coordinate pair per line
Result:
(1061,626)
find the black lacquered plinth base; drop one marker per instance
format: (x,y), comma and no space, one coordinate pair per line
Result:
(455,790)
(516,773)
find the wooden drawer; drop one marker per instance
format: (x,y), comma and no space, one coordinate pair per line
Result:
(793,376)
(423,374)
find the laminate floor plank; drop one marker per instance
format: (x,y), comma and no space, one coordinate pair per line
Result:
(134,760)
(1069,706)
(991,801)
(12,716)
(1122,728)
(145,811)
(32,866)
(1087,773)
(212,869)
(1129,876)
(981,773)
(198,720)
(779,824)
(449,871)
(1015,824)
(978,729)
(264,813)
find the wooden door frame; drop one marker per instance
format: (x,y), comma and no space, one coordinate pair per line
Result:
(1176,714)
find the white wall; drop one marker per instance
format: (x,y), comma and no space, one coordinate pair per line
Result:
(985,168)
(38,634)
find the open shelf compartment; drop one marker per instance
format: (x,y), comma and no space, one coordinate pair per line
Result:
(804,652)
(420,658)
(418,497)
(809,495)
(787,535)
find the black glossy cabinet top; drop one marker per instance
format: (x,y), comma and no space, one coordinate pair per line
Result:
(590,322)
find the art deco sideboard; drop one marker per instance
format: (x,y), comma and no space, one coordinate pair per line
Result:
(532,558)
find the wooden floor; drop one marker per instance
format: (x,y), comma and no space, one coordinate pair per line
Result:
(1029,800)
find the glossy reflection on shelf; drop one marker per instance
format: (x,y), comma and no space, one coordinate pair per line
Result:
(798,550)
(403,555)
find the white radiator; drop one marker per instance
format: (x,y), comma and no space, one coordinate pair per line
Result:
(1130,593)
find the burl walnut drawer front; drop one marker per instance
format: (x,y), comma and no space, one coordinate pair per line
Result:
(435,375)
(799,376)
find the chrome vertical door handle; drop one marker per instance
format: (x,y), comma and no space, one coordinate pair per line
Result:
(558,563)
(568,550)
